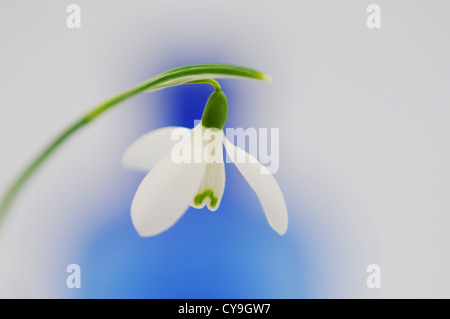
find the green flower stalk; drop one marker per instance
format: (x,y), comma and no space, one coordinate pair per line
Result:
(213,118)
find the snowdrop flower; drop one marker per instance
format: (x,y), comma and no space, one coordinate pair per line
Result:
(192,172)
(172,185)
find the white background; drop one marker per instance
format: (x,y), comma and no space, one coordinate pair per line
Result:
(363,117)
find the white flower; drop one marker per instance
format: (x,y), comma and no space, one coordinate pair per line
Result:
(172,185)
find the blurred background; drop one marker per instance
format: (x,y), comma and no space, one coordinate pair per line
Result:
(364,153)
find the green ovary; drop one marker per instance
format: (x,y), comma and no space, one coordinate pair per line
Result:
(216,110)
(199,198)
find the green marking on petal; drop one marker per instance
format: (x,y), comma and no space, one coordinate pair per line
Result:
(199,198)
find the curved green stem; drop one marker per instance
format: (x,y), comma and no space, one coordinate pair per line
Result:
(214,83)
(192,74)
(26,174)
(20,181)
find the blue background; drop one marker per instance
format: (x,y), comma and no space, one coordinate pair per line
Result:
(230,253)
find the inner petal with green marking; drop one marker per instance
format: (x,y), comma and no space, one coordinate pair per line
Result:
(212,185)
(211,188)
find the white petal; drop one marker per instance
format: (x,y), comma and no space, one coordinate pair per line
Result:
(149,149)
(264,185)
(164,195)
